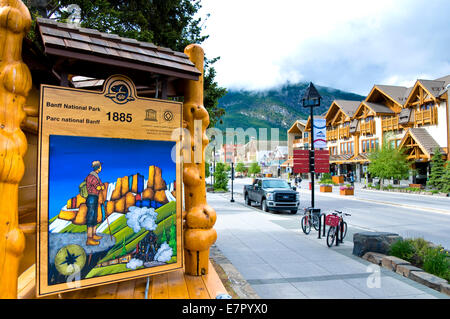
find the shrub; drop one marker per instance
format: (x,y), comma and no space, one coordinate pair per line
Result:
(220,178)
(413,189)
(390,186)
(326,182)
(402,249)
(436,262)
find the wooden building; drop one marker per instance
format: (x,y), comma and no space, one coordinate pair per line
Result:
(415,118)
(77,57)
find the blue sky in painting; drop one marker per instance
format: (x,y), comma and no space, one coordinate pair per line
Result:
(71,158)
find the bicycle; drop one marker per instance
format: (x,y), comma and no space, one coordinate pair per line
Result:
(335,220)
(309,220)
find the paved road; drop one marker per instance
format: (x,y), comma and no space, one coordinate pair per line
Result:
(406,214)
(279,261)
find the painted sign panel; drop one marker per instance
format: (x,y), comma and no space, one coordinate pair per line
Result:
(320,132)
(109,201)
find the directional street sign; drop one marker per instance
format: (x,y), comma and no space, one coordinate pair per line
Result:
(306,161)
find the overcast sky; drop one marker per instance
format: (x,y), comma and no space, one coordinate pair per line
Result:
(344,44)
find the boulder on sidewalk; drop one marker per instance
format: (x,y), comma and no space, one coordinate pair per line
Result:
(378,242)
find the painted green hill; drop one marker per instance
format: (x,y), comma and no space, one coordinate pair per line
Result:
(275,108)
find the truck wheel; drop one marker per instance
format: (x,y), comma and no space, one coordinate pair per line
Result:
(294,211)
(264,205)
(247,200)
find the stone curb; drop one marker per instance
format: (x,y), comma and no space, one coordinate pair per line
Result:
(409,271)
(237,282)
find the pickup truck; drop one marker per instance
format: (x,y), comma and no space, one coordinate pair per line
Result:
(272,194)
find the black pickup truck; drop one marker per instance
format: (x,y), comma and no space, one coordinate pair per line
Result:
(272,194)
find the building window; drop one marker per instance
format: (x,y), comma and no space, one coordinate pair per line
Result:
(395,143)
(369,145)
(347,148)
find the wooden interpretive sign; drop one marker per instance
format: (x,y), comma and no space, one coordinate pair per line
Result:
(109,186)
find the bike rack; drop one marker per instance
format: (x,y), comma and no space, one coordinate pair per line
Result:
(317,211)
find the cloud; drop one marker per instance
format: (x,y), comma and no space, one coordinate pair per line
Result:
(349,45)
(143,217)
(164,253)
(134,264)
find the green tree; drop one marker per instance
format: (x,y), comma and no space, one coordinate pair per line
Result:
(388,162)
(164,235)
(220,177)
(124,248)
(173,238)
(254,168)
(207,168)
(168,23)
(446,179)
(240,167)
(437,169)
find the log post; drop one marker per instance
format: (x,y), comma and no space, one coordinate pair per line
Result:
(199,217)
(15,83)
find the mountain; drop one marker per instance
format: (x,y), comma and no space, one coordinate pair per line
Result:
(274,108)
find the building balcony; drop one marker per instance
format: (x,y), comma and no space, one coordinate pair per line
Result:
(332,135)
(390,124)
(422,117)
(367,128)
(344,132)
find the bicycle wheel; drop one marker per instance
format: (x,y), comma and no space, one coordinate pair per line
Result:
(306,226)
(331,236)
(315,222)
(344,226)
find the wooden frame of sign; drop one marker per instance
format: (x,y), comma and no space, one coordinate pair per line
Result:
(109,191)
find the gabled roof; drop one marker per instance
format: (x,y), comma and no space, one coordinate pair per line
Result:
(346,106)
(379,108)
(424,140)
(295,127)
(395,93)
(91,46)
(434,88)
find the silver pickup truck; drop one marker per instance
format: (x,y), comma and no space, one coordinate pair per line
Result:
(272,194)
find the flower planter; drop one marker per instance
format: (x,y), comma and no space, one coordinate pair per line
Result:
(346,192)
(337,179)
(326,189)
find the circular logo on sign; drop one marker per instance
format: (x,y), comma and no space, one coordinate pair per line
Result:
(119,92)
(70,259)
(168,116)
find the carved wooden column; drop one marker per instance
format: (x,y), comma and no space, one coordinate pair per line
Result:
(200,218)
(15,83)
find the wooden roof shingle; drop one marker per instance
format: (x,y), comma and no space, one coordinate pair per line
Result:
(70,41)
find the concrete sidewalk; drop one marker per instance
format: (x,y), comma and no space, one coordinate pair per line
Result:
(279,261)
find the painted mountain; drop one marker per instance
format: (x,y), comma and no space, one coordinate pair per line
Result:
(277,108)
(137,226)
(135,218)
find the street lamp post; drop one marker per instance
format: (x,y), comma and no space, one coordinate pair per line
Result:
(232,179)
(311,99)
